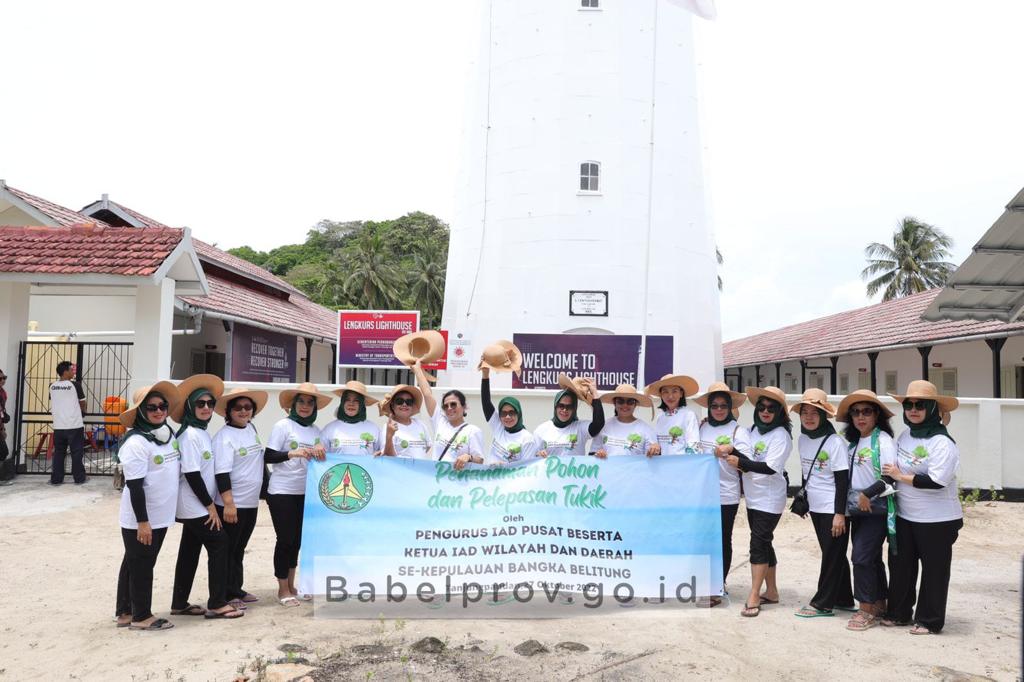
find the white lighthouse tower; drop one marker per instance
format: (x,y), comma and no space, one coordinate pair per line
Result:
(583,173)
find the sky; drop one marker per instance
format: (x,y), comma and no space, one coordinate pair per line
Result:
(824,123)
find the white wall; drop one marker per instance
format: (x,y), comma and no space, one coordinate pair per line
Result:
(63,313)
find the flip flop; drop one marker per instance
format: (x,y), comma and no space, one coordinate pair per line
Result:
(811,612)
(250,598)
(158,624)
(289,601)
(890,623)
(750,611)
(921,630)
(229,615)
(190,610)
(305,597)
(122,625)
(238,604)
(766,600)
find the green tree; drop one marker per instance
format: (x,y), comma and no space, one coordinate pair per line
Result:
(373,280)
(426,283)
(250,254)
(914,263)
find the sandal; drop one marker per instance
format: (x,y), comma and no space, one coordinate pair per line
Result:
(238,604)
(249,598)
(862,621)
(766,600)
(893,623)
(289,601)
(234,613)
(750,611)
(810,611)
(190,610)
(158,624)
(921,630)
(123,623)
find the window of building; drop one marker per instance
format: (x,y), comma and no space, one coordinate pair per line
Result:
(816,380)
(864,380)
(891,383)
(790,383)
(944,379)
(590,4)
(590,176)
(844,384)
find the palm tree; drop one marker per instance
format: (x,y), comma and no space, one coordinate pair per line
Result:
(426,282)
(914,262)
(373,280)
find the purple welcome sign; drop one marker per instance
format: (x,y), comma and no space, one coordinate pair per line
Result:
(610,360)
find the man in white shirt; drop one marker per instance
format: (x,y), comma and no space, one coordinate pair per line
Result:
(67,404)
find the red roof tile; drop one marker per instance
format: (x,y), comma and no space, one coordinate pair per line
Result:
(86,249)
(212,253)
(62,216)
(146,221)
(876,326)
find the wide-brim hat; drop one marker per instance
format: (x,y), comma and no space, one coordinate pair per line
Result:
(815,397)
(286,398)
(384,406)
(502,356)
(258,398)
(211,382)
(926,390)
(425,346)
(627,391)
(771,392)
(720,387)
(165,388)
(355,387)
(687,384)
(862,395)
(574,385)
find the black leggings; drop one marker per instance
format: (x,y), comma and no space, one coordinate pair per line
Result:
(238,538)
(834,574)
(135,579)
(762,532)
(196,534)
(728,520)
(931,546)
(867,533)
(286,513)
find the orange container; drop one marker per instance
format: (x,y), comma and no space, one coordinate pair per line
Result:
(113,405)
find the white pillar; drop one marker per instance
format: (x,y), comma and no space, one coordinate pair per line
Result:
(14,297)
(154,319)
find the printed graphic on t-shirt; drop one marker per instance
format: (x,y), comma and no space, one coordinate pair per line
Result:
(404,443)
(915,456)
(365,441)
(822,460)
(294,444)
(170,456)
(863,457)
(458,444)
(760,448)
(513,452)
(631,442)
(207,454)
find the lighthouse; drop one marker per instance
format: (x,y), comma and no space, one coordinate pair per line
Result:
(581,219)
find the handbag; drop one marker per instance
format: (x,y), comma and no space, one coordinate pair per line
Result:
(800,505)
(879,505)
(449,444)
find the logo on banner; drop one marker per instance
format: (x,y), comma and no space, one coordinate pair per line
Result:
(346,488)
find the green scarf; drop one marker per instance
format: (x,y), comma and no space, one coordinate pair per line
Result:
(575,403)
(728,414)
(932,424)
(360,416)
(302,421)
(890,503)
(779,420)
(519,414)
(147,429)
(825,427)
(188,417)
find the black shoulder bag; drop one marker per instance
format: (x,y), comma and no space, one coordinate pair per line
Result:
(800,505)
(449,444)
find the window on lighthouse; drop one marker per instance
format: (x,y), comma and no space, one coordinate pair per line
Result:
(590,4)
(590,176)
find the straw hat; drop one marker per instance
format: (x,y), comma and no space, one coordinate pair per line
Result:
(687,384)
(771,392)
(627,391)
(425,346)
(576,386)
(815,397)
(286,398)
(164,388)
(862,395)
(384,406)
(925,390)
(502,356)
(258,398)
(210,382)
(355,387)
(720,387)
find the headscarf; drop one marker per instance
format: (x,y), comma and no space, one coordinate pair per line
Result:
(188,417)
(302,421)
(514,404)
(558,422)
(147,429)
(728,413)
(360,416)
(779,420)
(825,427)
(932,424)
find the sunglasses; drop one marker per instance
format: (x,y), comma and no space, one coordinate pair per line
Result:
(625,401)
(862,411)
(244,407)
(770,408)
(563,406)
(452,406)
(155,407)
(508,413)
(915,405)
(306,402)
(209,402)
(403,401)
(719,406)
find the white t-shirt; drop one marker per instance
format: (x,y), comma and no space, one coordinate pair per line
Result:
(767,492)
(821,467)
(509,448)
(412,440)
(361,438)
(196,455)
(568,441)
(678,433)
(730,433)
(159,466)
(617,438)
(239,452)
(939,458)
(470,440)
(64,397)
(862,474)
(289,477)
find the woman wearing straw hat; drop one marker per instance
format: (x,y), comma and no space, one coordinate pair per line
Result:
(869,506)
(455,440)
(624,434)
(238,466)
(929,515)
(351,433)
(565,434)
(405,435)
(721,435)
(293,441)
(677,427)
(764,486)
(511,442)
(197,513)
(151,463)
(825,477)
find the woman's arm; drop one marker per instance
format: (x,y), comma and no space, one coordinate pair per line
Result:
(598,419)
(424,385)
(842,479)
(485,394)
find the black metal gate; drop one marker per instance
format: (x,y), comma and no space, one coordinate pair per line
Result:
(104,371)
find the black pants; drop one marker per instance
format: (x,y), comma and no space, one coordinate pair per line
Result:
(931,545)
(762,532)
(135,580)
(238,538)
(728,520)
(195,535)
(834,575)
(286,513)
(62,440)
(867,534)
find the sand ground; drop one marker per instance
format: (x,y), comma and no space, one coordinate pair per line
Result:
(60,550)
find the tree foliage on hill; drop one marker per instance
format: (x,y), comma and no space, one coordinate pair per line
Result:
(914,262)
(389,264)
